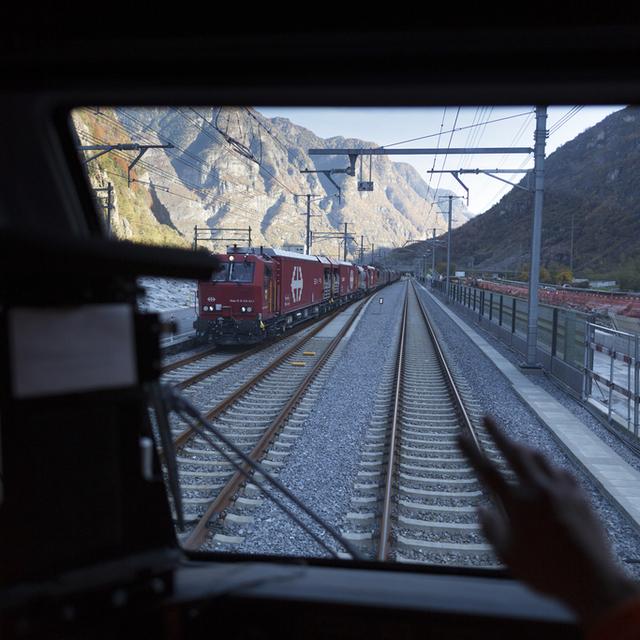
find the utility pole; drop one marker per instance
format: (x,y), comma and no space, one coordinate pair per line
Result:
(308,242)
(534,269)
(373,246)
(571,249)
(346,224)
(433,258)
(110,206)
(109,190)
(361,250)
(450,198)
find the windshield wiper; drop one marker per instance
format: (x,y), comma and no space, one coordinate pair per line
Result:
(172,400)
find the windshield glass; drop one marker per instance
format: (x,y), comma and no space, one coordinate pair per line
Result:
(223,274)
(241,272)
(426,209)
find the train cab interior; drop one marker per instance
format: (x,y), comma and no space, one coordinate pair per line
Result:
(88,548)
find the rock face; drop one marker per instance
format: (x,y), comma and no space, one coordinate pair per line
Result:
(591,183)
(233,168)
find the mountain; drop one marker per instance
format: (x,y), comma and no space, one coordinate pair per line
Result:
(591,183)
(233,168)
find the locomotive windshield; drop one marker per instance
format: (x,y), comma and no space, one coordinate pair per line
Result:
(223,274)
(241,272)
(234,272)
(224,180)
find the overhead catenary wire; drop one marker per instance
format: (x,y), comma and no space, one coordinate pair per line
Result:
(444,160)
(146,127)
(564,119)
(454,129)
(183,183)
(174,154)
(433,166)
(235,206)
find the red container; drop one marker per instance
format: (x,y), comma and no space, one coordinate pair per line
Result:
(300,280)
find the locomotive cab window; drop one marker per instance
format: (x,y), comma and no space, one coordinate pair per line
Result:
(309,420)
(221,274)
(241,272)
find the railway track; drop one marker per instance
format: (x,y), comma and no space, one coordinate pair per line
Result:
(415,497)
(262,417)
(197,367)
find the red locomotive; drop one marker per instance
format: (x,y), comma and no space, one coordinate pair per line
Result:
(261,292)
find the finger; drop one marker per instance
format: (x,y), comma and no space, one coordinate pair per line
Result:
(569,478)
(544,466)
(496,531)
(486,471)
(520,458)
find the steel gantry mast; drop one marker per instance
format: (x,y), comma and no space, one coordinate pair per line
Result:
(536,236)
(448,275)
(538,151)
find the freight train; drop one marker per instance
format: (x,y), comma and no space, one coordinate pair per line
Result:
(260,293)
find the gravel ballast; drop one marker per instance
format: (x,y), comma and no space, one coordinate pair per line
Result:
(323,462)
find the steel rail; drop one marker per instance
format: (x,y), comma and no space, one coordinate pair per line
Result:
(222,406)
(385,526)
(388,499)
(181,363)
(221,366)
(458,402)
(225,496)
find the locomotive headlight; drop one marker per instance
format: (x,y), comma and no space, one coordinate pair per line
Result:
(205,308)
(243,309)
(249,309)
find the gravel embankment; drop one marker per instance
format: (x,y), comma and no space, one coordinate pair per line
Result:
(322,466)
(494,393)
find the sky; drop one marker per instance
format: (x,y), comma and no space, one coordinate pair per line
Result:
(387,126)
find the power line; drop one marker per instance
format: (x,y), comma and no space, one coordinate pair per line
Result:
(205,164)
(480,124)
(564,119)
(237,208)
(433,166)
(181,182)
(448,147)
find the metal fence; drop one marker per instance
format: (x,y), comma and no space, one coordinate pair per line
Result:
(599,364)
(561,332)
(612,373)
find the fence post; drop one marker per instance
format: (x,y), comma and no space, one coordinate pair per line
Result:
(513,315)
(490,306)
(588,360)
(554,333)
(636,409)
(500,311)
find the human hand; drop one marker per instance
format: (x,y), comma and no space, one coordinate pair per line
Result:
(545,531)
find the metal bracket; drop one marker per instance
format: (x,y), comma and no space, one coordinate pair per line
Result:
(455,174)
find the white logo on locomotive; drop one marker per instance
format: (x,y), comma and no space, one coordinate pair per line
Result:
(296,284)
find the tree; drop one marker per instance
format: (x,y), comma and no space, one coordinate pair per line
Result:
(564,276)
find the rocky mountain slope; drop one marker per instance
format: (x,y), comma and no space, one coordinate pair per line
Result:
(592,184)
(234,168)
